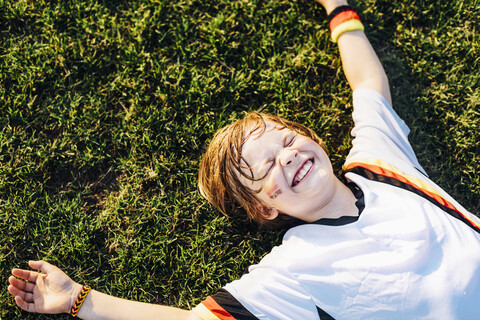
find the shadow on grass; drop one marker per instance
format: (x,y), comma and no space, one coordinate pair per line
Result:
(431,88)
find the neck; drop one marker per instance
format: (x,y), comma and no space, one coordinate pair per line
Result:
(341,204)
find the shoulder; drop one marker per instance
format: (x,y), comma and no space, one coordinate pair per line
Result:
(380,133)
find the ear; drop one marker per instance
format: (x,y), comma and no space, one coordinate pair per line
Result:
(268,213)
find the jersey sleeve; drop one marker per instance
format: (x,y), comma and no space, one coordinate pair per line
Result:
(222,306)
(264,293)
(379,133)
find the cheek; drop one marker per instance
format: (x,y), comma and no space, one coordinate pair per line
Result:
(273,190)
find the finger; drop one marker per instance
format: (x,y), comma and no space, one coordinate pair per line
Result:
(27,275)
(30,307)
(20,284)
(16,292)
(43,266)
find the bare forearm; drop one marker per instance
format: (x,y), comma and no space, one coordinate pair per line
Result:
(100,306)
(361,64)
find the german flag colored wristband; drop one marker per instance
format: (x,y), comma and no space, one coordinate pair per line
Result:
(343,19)
(80,299)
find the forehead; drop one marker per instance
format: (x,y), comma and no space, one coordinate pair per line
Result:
(256,134)
(260,140)
(255,131)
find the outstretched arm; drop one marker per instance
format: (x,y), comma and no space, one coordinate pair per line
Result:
(360,62)
(52,291)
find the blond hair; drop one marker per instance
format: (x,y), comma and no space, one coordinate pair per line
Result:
(221,168)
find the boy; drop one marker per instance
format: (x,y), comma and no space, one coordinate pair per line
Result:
(391,244)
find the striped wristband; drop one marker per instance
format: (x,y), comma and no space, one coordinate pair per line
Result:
(80,299)
(343,19)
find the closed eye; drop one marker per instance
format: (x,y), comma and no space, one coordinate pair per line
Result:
(290,140)
(270,163)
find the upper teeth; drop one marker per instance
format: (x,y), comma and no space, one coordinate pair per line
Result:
(301,174)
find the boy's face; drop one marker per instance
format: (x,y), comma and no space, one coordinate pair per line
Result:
(298,178)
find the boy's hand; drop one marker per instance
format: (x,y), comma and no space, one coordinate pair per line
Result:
(49,292)
(329,5)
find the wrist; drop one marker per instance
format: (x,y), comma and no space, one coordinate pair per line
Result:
(80,300)
(343,19)
(74,292)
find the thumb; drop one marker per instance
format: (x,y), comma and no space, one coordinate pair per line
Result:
(41,265)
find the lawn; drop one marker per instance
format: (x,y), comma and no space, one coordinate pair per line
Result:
(107,106)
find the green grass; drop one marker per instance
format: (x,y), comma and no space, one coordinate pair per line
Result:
(107,106)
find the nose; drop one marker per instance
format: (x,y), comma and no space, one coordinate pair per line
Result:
(287,156)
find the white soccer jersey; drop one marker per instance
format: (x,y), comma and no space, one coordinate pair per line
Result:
(413,252)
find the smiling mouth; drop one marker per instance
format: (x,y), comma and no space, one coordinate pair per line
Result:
(302,172)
